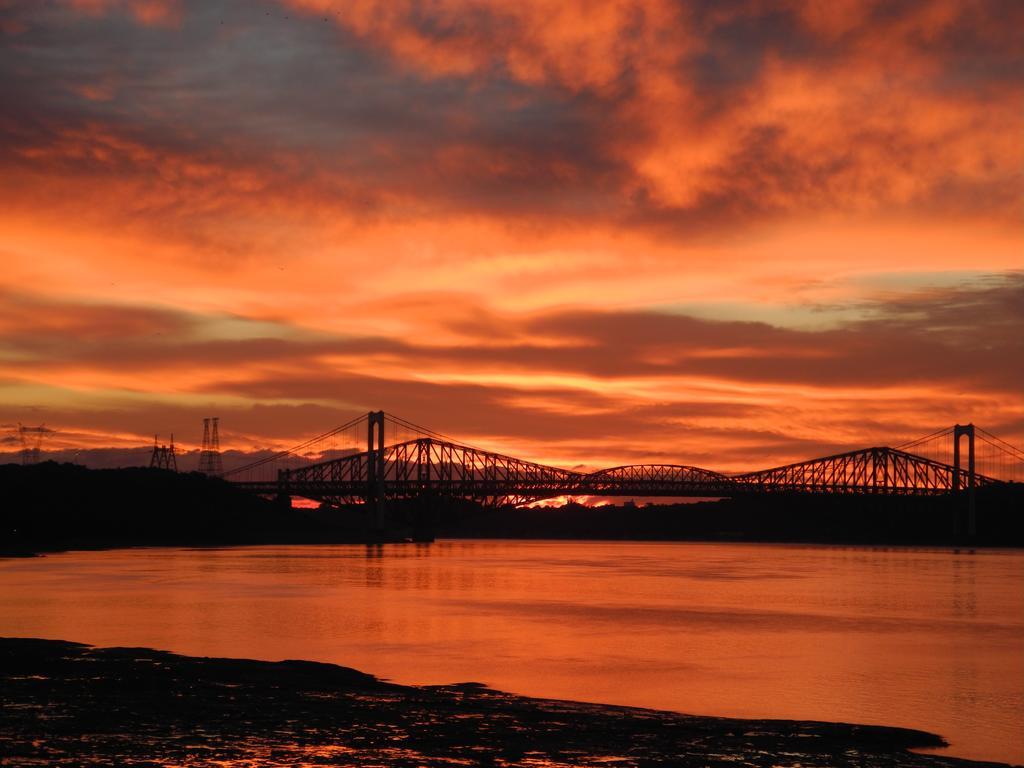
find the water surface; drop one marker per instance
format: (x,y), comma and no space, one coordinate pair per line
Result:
(924,639)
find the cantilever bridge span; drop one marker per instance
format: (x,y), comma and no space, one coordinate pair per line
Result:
(430,465)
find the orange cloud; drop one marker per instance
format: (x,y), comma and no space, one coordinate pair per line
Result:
(148,12)
(720,234)
(848,108)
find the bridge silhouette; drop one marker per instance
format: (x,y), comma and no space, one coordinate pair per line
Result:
(417,463)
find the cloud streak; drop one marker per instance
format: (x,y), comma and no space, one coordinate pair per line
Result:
(617,379)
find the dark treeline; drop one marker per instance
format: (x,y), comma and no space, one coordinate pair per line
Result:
(783,517)
(51,506)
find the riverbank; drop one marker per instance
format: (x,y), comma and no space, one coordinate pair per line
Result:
(52,507)
(71,704)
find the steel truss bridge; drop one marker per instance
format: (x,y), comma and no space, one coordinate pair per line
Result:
(429,465)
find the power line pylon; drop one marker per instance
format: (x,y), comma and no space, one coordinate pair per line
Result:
(209,457)
(32,442)
(163,455)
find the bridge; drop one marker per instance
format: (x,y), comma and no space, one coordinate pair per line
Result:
(418,463)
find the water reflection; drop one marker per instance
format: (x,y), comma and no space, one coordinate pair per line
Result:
(926,639)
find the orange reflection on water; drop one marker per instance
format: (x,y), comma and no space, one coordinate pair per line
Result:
(921,639)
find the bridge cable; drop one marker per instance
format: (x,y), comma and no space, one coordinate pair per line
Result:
(1009,447)
(918,441)
(295,449)
(422,430)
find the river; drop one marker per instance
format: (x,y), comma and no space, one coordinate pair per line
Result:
(928,639)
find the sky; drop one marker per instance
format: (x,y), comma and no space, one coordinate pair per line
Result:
(728,234)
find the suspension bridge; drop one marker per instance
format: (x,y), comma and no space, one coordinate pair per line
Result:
(378,458)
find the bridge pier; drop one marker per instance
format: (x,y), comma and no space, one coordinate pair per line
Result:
(425,513)
(284,496)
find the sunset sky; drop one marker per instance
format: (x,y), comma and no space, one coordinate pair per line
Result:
(730,234)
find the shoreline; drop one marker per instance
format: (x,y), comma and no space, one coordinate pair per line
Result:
(114,546)
(71,704)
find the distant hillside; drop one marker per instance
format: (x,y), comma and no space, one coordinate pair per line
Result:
(53,506)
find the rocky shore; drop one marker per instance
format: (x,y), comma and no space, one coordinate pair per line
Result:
(69,704)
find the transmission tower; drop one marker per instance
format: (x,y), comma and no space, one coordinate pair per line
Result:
(209,457)
(32,442)
(163,455)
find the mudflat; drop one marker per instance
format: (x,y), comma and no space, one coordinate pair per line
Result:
(65,704)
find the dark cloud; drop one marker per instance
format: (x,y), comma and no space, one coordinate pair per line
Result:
(327,111)
(298,102)
(969,338)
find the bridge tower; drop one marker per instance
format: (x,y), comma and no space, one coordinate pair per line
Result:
(375,469)
(958,432)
